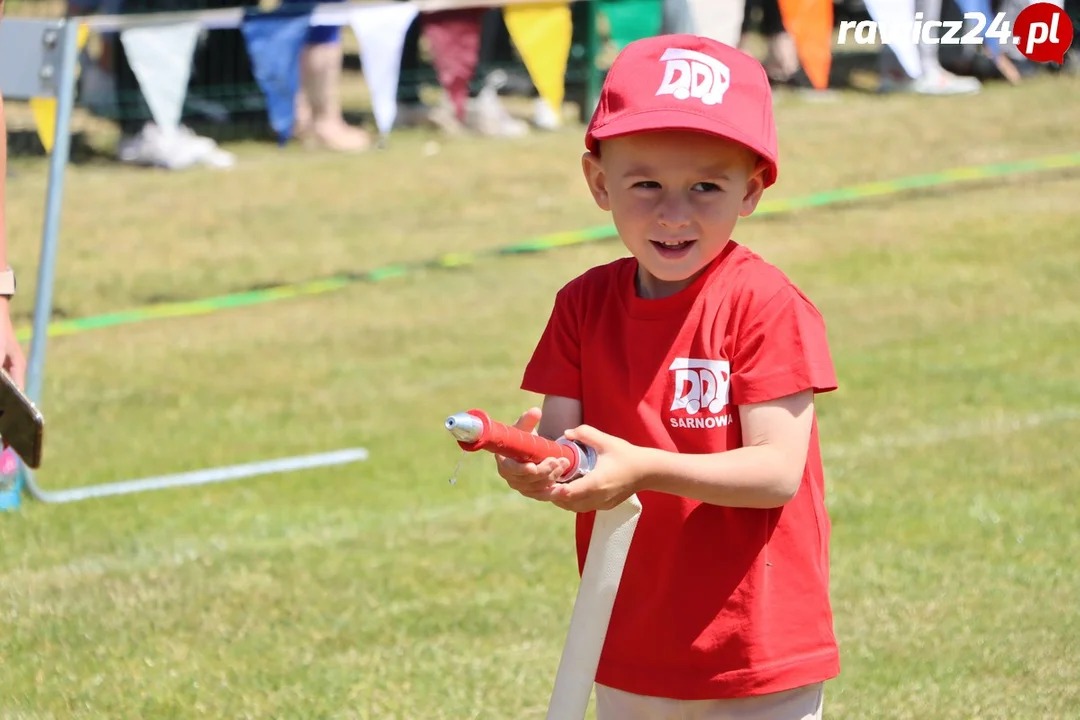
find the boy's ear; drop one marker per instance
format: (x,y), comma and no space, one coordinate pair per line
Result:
(597,180)
(755,188)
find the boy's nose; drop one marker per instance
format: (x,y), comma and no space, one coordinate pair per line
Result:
(674,212)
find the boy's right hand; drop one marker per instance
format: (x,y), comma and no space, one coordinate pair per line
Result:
(532,480)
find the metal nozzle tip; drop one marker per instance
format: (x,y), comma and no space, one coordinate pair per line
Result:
(464,427)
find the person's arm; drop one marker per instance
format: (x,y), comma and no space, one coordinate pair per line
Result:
(3,192)
(553,371)
(11,354)
(559,415)
(3,184)
(765,472)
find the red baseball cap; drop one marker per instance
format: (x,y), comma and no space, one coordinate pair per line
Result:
(686,82)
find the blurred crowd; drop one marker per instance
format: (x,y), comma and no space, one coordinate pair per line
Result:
(457,42)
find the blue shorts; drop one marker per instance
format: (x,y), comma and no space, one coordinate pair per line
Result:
(320,34)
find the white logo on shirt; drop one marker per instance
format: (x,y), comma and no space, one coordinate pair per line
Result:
(692,74)
(701,386)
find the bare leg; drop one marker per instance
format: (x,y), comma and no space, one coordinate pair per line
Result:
(319,119)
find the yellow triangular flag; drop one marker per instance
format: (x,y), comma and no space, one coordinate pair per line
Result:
(542,34)
(83,34)
(44,109)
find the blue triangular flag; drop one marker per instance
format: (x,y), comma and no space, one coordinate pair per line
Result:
(273,43)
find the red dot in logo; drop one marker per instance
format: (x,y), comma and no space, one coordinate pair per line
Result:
(1043,32)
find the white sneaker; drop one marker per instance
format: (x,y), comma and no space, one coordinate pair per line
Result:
(206,150)
(488,116)
(177,150)
(544,117)
(154,148)
(943,82)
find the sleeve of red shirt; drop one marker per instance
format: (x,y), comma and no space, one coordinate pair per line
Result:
(781,350)
(555,366)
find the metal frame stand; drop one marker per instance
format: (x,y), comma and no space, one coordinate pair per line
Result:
(38,59)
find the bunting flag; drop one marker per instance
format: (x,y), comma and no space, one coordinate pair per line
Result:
(160,58)
(542,34)
(273,44)
(44,109)
(454,39)
(810,24)
(380,31)
(897,19)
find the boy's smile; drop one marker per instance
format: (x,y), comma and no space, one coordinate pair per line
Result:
(675,197)
(673,249)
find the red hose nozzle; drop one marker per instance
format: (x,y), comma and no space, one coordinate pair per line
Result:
(475,430)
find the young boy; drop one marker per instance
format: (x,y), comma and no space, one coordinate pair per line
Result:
(691,368)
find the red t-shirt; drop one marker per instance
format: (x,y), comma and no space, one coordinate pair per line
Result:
(715,602)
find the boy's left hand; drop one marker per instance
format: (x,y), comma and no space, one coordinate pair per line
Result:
(615,478)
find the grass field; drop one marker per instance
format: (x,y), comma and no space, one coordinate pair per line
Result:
(379,590)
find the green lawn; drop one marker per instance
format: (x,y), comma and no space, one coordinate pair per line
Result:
(379,590)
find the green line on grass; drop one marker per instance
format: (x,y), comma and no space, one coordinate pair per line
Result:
(541,244)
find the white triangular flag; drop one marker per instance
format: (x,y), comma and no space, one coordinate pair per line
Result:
(380,31)
(896,22)
(160,58)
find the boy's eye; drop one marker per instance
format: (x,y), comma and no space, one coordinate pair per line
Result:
(696,187)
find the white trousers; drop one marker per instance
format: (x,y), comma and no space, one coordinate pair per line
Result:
(803,703)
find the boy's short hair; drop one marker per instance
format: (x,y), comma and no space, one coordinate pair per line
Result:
(687,82)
